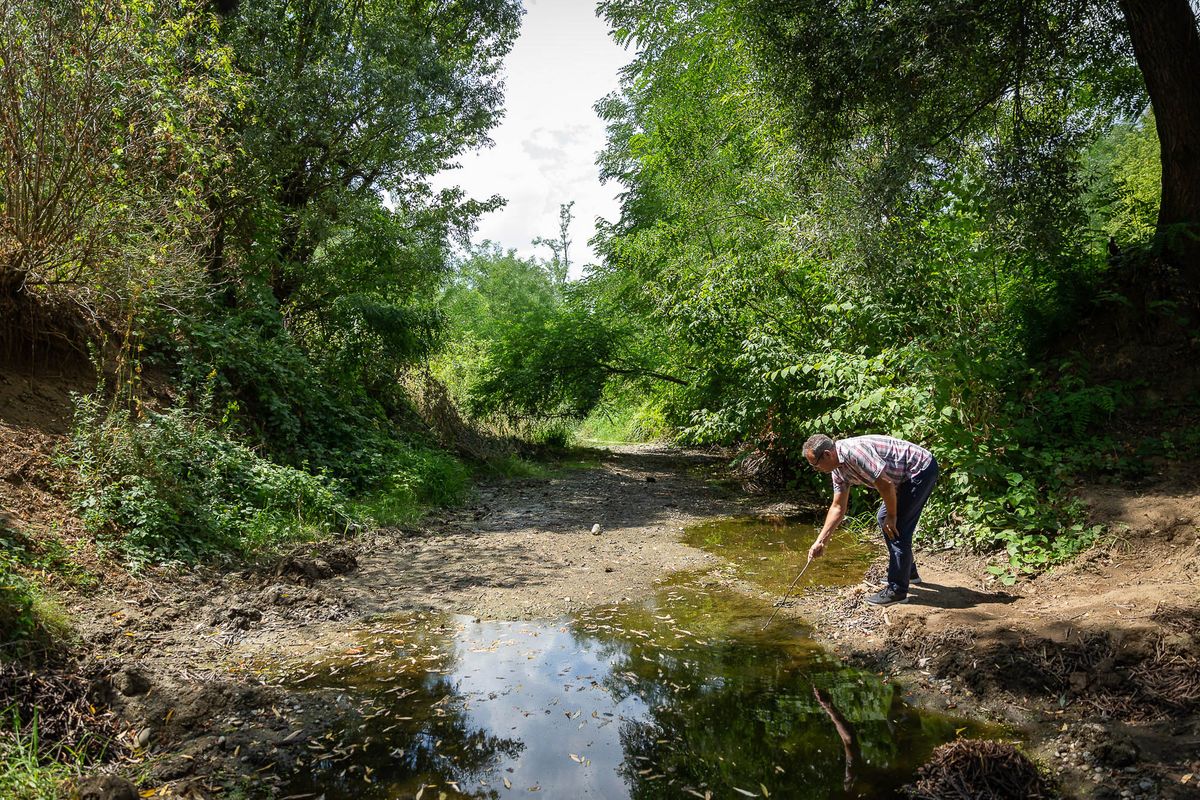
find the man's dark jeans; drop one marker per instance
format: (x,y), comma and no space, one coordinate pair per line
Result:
(910,501)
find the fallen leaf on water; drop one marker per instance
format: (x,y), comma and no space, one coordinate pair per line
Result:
(764,790)
(575,758)
(744,792)
(420,792)
(507,783)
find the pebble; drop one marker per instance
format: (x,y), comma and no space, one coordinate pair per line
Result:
(143,738)
(596,529)
(1145,783)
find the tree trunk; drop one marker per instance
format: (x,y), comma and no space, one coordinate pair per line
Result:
(1167,47)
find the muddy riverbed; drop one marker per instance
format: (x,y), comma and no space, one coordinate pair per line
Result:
(507,649)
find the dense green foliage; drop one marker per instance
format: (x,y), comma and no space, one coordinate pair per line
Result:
(845,218)
(178,488)
(521,347)
(238,201)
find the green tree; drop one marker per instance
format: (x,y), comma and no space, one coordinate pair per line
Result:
(560,263)
(108,139)
(354,104)
(899,90)
(1125,182)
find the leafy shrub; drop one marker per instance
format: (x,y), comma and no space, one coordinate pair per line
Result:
(412,479)
(545,366)
(17,620)
(283,400)
(179,488)
(1008,439)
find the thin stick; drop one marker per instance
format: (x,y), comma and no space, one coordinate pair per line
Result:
(796,580)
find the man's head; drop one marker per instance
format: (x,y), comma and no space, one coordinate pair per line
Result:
(820,452)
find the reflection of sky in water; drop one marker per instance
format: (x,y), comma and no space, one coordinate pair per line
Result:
(551,696)
(685,692)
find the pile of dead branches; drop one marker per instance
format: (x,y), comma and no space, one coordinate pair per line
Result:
(50,709)
(763,469)
(1170,675)
(971,769)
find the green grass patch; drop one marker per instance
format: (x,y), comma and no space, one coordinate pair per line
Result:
(414,479)
(626,424)
(511,466)
(27,771)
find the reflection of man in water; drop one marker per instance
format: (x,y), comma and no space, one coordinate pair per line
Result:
(845,732)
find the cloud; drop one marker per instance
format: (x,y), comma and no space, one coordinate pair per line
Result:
(545,148)
(556,151)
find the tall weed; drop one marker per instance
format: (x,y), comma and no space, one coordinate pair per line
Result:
(27,771)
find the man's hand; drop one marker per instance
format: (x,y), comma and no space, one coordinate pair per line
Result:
(890,532)
(816,550)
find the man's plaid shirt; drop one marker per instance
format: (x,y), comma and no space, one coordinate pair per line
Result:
(864,458)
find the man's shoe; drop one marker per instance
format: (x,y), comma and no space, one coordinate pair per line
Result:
(913,577)
(886,597)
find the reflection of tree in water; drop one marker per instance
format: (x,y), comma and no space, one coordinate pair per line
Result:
(734,712)
(409,726)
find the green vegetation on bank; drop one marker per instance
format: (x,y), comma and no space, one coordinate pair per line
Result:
(231,206)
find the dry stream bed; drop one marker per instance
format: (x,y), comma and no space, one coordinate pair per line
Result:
(505,650)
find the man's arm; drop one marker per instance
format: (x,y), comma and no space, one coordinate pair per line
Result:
(833,518)
(887,491)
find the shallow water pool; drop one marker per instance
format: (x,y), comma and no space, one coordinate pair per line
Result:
(683,696)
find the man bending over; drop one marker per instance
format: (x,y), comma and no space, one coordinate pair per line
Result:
(903,473)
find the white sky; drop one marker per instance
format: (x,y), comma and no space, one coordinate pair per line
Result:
(546,145)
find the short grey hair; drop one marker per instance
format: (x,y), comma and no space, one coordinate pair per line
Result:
(818,444)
